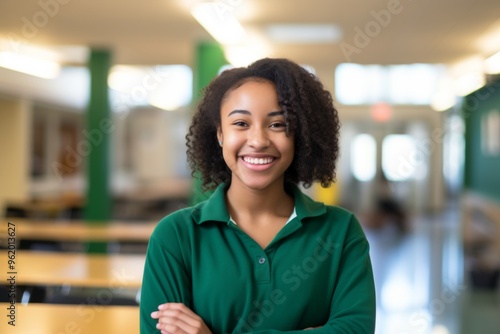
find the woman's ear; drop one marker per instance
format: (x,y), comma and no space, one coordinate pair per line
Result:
(220,137)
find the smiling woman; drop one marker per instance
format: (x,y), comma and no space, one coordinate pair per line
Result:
(253,137)
(259,256)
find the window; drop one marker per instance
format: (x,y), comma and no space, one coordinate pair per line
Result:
(167,87)
(400,157)
(490,133)
(395,84)
(363,157)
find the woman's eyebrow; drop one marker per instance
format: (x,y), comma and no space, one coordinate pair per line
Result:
(275,113)
(239,111)
(246,112)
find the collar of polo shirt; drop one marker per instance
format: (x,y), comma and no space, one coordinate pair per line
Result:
(215,209)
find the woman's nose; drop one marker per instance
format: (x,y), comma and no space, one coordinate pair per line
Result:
(258,138)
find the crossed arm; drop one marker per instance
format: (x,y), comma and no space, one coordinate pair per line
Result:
(166,304)
(177,318)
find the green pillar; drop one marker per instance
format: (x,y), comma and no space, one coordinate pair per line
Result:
(97,133)
(209,59)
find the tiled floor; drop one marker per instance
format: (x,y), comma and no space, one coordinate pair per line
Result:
(420,281)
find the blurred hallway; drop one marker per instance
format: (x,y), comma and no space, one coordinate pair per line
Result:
(421,283)
(418,127)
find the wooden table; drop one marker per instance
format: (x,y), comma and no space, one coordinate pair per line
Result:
(82,319)
(55,230)
(52,207)
(167,189)
(76,269)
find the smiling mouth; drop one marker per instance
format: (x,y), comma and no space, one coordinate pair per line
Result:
(258,161)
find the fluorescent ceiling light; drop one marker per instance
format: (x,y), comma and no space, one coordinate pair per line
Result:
(443,100)
(468,75)
(469,83)
(29,59)
(304,33)
(492,64)
(222,25)
(29,65)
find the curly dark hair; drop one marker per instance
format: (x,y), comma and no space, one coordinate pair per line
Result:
(310,115)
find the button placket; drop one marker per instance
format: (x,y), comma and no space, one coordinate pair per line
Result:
(262,268)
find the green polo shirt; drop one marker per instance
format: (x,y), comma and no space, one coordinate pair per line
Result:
(316,271)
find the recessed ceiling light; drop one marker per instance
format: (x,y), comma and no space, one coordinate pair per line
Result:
(304,33)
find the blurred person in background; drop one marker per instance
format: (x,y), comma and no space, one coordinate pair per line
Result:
(388,209)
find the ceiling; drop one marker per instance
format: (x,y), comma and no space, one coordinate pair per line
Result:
(164,32)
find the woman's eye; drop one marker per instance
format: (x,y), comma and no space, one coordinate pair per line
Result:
(240,123)
(278,125)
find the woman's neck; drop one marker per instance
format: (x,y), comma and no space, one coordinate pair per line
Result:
(248,202)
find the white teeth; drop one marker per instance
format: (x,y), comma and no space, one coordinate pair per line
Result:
(258,161)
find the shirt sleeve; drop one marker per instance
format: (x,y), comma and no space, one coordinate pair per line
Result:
(353,307)
(165,278)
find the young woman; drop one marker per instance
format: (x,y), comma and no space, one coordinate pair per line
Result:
(259,256)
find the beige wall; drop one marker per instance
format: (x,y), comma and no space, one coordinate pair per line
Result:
(15,131)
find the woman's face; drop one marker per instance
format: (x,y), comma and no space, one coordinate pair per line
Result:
(253,134)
